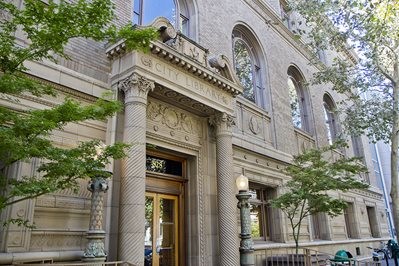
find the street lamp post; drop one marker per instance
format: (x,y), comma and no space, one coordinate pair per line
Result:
(95,249)
(246,244)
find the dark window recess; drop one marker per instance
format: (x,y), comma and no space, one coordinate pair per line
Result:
(164,166)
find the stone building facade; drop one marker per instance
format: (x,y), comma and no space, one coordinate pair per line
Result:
(220,94)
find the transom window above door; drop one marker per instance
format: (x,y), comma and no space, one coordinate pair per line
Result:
(177,12)
(164,165)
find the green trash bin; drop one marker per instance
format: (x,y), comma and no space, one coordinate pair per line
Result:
(342,257)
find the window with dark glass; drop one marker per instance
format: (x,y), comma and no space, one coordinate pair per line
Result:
(330,119)
(298,99)
(244,68)
(247,66)
(295,102)
(164,166)
(261,212)
(350,223)
(319,226)
(373,221)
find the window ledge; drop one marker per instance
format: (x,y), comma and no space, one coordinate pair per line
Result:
(304,133)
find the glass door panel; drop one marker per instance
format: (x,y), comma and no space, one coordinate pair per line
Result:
(161,232)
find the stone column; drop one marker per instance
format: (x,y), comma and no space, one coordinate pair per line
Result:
(227,203)
(132,191)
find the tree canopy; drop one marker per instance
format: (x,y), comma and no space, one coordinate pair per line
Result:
(363,36)
(313,174)
(47,27)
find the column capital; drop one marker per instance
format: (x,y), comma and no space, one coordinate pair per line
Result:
(222,122)
(136,86)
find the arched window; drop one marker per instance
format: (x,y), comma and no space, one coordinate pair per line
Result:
(330,119)
(247,64)
(298,99)
(176,11)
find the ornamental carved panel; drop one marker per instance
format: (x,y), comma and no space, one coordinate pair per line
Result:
(173,119)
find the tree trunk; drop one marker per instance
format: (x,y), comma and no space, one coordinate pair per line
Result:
(394,149)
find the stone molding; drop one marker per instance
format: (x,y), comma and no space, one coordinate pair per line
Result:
(190,57)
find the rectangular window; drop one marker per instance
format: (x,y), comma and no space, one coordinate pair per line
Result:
(350,223)
(373,223)
(285,14)
(164,165)
(316,226)
(184,25)
(262,214)
(319,226)
(357,146)
(137,12)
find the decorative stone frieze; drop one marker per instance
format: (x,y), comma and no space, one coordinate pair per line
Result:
(173,119)
(54,240)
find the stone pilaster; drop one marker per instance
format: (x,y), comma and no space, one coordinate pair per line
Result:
(132,197)
(227,203)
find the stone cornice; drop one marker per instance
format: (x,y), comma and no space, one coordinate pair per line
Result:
(189,56)
(163,51)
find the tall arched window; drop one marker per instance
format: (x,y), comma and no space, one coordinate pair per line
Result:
(176,11)
(247,63)
(330,119)
(298,99)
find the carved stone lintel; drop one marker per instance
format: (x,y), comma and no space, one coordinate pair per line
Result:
(136,86)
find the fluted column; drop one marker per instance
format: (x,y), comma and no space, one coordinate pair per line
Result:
(227,203)
(132,192)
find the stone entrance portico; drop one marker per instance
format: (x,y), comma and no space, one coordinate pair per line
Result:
(177,73)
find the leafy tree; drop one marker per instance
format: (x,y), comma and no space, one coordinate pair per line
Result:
(24,135)
(370,28)
(314,173)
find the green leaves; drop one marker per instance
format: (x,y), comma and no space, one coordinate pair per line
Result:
(313,174)
(38,31)
(49,26)
(370,29)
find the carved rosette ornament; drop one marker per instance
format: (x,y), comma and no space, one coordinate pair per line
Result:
(136,88)
(95,250)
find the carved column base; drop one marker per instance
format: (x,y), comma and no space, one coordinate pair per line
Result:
(95,249)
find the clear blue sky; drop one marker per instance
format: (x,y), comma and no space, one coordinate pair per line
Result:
(156,8)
